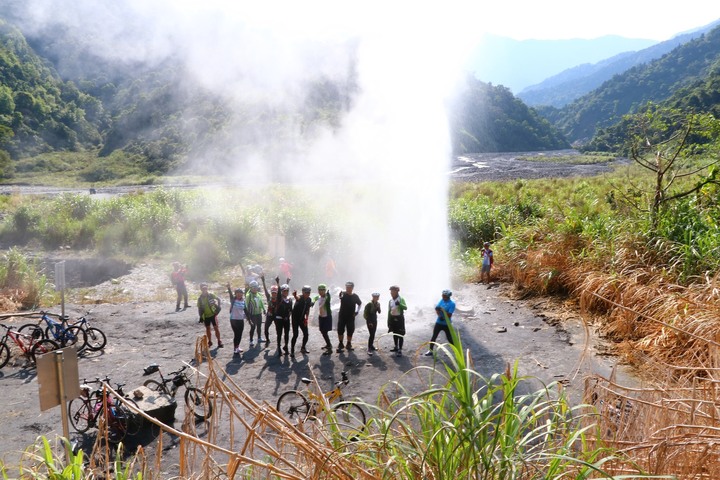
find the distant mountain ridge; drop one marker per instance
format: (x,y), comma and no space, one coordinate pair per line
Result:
(517,64)
(570,84)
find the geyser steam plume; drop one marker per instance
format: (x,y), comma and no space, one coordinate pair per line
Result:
(383,169)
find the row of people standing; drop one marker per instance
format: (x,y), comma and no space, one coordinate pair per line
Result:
(293,312)
(288,313)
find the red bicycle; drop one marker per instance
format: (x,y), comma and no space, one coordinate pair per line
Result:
(30,344)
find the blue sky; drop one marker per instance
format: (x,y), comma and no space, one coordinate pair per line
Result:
(562,19)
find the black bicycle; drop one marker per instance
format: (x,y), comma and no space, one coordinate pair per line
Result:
(95,339)
(195,399)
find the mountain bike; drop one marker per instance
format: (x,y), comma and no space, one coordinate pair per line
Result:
(195,399)
(95,339)
(91,407)
(30,344)
(348,418)
(60,332)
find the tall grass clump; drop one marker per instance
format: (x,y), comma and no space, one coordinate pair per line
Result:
(20,281)
(466,426)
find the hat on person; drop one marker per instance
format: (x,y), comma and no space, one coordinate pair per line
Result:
(486,244)
(349,284)
(394,287)
(322,286)
(285,287)
(274,288)
(203,285)
(447,293)
(306,289)
(376,294)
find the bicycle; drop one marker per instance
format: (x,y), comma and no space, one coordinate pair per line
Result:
(195,399)
(95,339)
(30,344)
(66,335)
(90,407)
(348,417)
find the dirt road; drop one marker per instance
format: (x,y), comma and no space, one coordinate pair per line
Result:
(496,329)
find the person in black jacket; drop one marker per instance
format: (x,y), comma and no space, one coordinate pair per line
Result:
(300,313)
(283,311)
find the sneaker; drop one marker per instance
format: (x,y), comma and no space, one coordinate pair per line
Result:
(327,352)
(252,344)
(220,345)
(239,350)
(209,344)
(398,353)
(177,309)
(267,340)
(186,307)
(285,349)
(370,352)
(429,353)
(349,347)
(394,349)
(340,347)
(304,350)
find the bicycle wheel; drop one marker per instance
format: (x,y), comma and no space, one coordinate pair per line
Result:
(74,337)
(4,354)
(349,419)
(293,406)
(42,347)
(134,421)
(33,330)
(80,413)
(198,402)
(117,424)
(155,386)
(95,339)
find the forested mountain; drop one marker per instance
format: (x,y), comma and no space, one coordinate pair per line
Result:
(57,95)
(688,67)
(570,84)
(39,111)
(487,118)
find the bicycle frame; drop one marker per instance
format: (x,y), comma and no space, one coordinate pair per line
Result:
(57,329)
(22,340)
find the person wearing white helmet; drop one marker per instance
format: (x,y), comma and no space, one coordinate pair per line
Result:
(322,302)
(271,298)
(283,311)
(349,307)
(256,309)
(445,308)
(238,314)
(300,313)
(396,319)
(208,308)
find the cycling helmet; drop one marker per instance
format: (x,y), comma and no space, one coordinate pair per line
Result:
(349,284)
(322,286)
(376,294)
(394,287)
(284,287)
(447,293)
(274,288)
(239,290)
(203,285)
(254,284)
(306,289)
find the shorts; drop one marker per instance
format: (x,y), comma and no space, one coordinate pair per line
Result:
(344,323)
(325,323)
(485,269)
(208,321)
(397,324)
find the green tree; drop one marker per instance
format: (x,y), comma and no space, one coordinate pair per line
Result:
(675,146)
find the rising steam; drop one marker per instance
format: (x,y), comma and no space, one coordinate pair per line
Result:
(382,167)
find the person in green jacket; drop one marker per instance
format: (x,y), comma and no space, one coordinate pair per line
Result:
(396,319)
(256,309)
(208,308)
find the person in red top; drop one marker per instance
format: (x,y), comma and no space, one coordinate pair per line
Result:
(286,270)
(178,279)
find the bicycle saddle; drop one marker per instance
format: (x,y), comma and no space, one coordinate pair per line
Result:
(152,368)
(306,381)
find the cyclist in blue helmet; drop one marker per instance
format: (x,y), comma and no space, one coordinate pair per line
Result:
(445,309)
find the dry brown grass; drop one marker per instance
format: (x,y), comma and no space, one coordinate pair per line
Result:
(262,444)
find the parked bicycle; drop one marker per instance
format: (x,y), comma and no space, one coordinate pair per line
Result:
(195,399)
(29,342)
(62,333)
(92,406)
(95,339)
(347,416)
